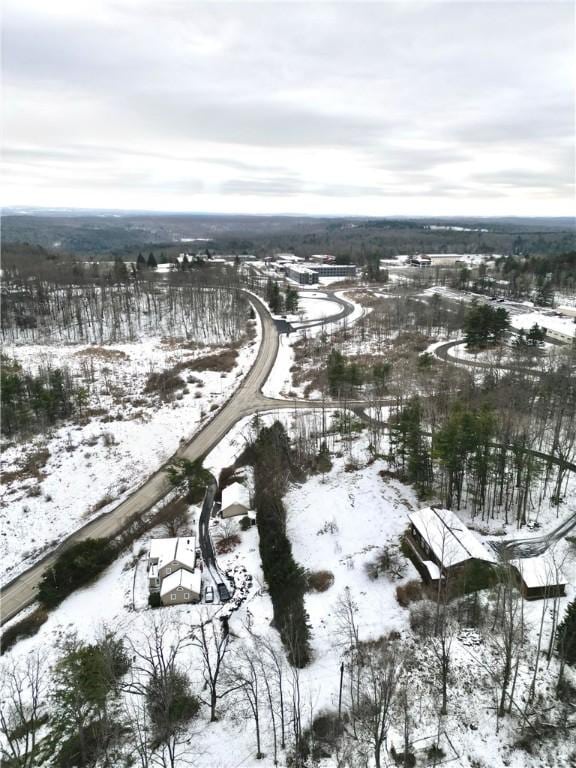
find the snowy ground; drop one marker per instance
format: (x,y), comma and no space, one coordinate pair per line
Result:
(335,522)
(92,467)
(279,384)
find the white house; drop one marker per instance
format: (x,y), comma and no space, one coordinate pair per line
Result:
(235,500)
(181,587)
(168,556)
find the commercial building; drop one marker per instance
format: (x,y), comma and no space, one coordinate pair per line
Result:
(308,273)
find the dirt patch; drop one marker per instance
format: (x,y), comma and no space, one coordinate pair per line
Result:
(32,467)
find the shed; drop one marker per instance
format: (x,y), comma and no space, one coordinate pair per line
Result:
(539,577)
(181,587)
(235,500)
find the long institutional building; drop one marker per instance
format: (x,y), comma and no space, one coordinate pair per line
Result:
(308,273)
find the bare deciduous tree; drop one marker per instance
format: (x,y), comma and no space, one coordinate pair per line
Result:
(23,684)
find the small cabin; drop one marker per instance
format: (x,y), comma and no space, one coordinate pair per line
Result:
(235,500)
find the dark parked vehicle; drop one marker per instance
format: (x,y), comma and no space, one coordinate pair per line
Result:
(223,593)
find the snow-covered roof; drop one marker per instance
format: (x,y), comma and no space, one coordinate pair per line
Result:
(192,582)
(447,536)
(432,569)
(539,572)
(562,325)
(235,494)
(165,551)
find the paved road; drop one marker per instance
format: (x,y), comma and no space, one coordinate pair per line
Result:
(537,545)
(246,400)
(21,592)
(443,353)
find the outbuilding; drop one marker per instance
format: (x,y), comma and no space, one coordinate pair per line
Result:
(235,500)
(539,577)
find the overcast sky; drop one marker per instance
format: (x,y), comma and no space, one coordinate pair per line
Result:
(416,108)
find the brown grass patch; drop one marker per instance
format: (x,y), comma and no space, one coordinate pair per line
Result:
(102,353)
(227,544)
(320,581)
(223,361)
(32,467)
(409,593)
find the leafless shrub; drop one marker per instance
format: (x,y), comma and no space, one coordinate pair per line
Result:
(163,383)
(320,581)
(32,467)
(388,562)
(227,543)
(108,439)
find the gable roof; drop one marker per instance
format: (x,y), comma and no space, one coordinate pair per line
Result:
(448,538)
(191,582)
(166,551)
(235,494)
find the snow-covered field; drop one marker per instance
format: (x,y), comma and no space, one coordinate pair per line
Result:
(91,467)
(336,523)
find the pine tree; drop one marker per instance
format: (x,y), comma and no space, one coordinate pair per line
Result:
(151,263)
(140,262)
(566,635)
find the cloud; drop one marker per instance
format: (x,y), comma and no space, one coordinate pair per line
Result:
(315,104)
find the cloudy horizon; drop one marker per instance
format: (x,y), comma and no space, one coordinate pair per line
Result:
(390,108)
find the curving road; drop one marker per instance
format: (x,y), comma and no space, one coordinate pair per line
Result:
(245,401)
(442,352)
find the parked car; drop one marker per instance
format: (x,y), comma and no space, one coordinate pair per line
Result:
(223,593)
(209,594)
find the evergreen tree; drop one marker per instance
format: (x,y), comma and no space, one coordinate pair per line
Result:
(545,295)
(566,635)
(151,263)
(291,300)
(140,262)
(535,336)
(411,445)
(484,325)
